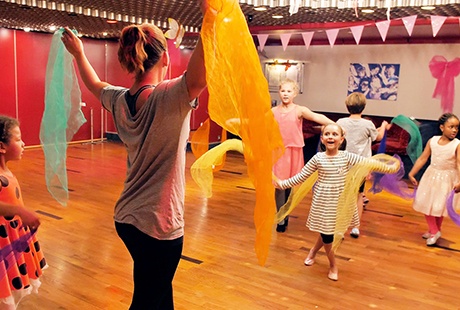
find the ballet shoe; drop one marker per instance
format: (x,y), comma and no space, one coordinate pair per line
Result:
(309,261)
(433,239)
(281,228)
(334,276)
(426,235)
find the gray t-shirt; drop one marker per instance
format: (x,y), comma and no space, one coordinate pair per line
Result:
(155,139)
(359,133)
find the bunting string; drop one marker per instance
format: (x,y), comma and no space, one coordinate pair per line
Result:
(383,26)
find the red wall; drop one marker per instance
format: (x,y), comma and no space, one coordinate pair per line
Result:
(23,59)
(7,68)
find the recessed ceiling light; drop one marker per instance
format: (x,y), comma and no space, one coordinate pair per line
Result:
(428,7)
(277,16)
(111,21)
(367,11)
(260,8)
(104,34)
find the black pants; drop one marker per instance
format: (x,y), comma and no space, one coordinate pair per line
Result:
(155,263)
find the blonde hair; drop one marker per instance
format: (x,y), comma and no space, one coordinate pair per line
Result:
(140,48)
(355,102)
(292,82)
(333,124)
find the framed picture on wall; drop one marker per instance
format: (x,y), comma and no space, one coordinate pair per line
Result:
(275,72)
(376,81)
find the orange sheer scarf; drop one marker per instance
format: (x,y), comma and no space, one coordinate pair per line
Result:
(239,101)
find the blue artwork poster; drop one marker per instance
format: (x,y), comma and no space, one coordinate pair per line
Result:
(375,81)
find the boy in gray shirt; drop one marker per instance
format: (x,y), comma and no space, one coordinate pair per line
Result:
(360,133)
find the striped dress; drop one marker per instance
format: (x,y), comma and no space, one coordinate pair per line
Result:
(332,171)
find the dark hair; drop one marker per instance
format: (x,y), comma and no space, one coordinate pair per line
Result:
(141,47)
(6,124)
(445,117)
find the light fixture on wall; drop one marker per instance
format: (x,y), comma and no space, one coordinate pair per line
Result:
(282,64)
(280,69)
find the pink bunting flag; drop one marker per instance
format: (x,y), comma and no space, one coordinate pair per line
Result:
(436,23)
(357,31)
(409,23)
(383,28)
(307,36)
(332,35)
(262,40)
(285,37)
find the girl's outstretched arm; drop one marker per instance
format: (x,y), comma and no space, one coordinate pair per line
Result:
(315,117)
(419,163)
(74,45)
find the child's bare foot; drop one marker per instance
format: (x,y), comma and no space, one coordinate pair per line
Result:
(333,274)
(310,260)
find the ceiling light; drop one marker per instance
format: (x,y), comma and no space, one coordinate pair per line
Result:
(104,34)
(277,16)
(367,11)
(111,21)
(260,8)
(26,29)
(428,7)
(52,28)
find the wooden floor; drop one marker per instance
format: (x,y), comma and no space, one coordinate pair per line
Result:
(387,267)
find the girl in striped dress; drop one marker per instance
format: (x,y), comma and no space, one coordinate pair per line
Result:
(332,165)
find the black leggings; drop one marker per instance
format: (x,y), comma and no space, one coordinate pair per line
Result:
(155,263)
(327,238)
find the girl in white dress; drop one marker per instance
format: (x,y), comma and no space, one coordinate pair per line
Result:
(441,176)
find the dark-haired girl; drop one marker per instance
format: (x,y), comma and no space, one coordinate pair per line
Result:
(21,259)
(441,176)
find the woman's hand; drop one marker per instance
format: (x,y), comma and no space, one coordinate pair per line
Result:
(203,5)
(72,43)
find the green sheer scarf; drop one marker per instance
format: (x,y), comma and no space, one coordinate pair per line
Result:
(62,116)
